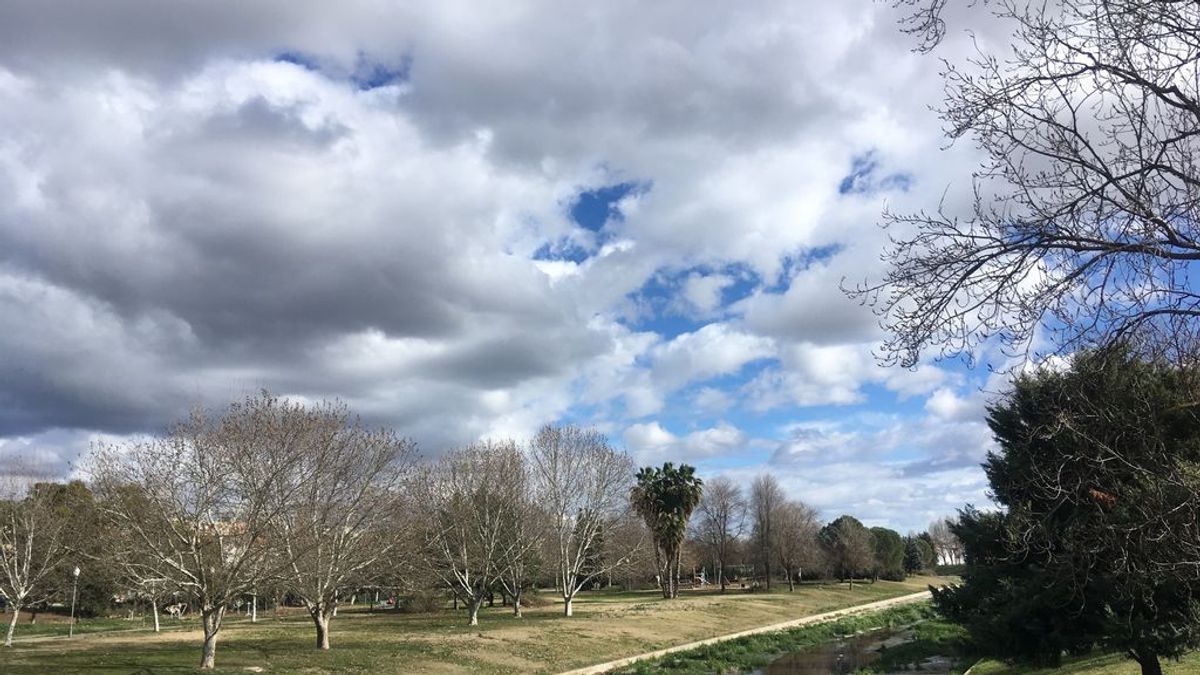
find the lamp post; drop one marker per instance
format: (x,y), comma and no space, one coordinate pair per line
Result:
(74,594)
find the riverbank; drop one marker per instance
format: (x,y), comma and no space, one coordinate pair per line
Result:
(752,652)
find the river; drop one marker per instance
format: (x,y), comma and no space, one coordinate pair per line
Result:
(849,653)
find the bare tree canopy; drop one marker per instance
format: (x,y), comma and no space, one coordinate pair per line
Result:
(466,518)
(795,543)
(583,484)
(524,530)
(766,497)
(1086,218)
(199,507)
(946,547)
(32,545)
(340,521)
(721,523)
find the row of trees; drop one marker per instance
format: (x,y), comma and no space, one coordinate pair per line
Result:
(273,498)
(765,531)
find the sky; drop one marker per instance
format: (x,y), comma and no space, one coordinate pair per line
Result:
(468,220)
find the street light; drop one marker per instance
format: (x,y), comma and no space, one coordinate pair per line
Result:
(74,594)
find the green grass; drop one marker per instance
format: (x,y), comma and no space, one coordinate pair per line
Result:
(755,651)
(605,626)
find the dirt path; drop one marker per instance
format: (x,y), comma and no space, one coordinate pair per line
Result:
(803,621)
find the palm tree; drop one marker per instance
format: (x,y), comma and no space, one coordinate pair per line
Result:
(665,499)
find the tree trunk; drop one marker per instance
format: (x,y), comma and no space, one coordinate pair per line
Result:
(767,570)
(476,603)
(677,573)
(253,609)
(516,603)
(317,612)
(851,582)
(12,625)
(568,609)
(154,611)
(1148,661)
(721,575)
(791,580)
(212,624)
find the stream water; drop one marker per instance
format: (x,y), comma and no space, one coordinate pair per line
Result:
(847,655)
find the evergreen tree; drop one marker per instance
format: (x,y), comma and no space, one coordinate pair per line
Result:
(1099,478)
(665,499)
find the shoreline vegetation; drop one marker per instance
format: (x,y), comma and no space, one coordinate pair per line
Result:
(746,654)
(607,625)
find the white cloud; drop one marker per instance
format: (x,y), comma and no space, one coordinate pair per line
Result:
(184,219)
(703,291)
(715,349)
(651,443)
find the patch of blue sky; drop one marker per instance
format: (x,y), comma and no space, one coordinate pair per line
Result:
(655,298)
(586,415)
(681,406)
(565,248)
(864,179)
(593,209)
(893,401)
(792,263)
(306,61)
(367,73)
(745,281)
(667,325)
(667,312)
(371,74)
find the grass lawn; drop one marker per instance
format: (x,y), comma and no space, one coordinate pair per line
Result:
(605,626)
(1108,664)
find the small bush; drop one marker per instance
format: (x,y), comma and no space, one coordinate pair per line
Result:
(422,602)
(532,598)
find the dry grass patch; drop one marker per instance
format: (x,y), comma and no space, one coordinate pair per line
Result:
(605,626)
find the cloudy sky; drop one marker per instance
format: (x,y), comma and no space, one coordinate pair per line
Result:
(469,219)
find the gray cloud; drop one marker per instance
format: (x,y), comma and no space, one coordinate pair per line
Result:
(185,220)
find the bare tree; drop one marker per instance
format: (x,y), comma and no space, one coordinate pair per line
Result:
(765,499)
(32,545)
(721,523)
(1086,222)
(796,526)
(946,547)
(524,531)
(623,545)
(466,515)
(583,484)
(342,497)
(199,507)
